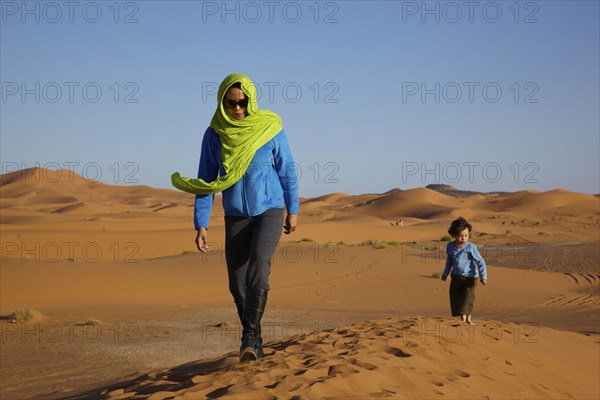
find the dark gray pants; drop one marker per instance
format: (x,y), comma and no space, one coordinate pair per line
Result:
(249,246)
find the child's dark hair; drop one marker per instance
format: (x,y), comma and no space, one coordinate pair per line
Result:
(459,225)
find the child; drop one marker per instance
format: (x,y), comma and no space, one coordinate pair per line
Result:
(466,265)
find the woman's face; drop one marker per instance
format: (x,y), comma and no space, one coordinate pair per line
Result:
(236,103)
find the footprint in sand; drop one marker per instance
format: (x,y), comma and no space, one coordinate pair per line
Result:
(462,374)
(363,364)
(309,362)
(399,353)
(379,347)
(219,392)
(343,369)
(273,385)
(300,372)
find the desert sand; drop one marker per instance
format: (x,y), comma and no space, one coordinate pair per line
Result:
(128,308)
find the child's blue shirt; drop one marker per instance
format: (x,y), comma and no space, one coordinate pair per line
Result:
(465,261)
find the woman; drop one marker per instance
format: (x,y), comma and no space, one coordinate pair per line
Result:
(245,155)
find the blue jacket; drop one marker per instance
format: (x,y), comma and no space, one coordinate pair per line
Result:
(269,182)
(465,261)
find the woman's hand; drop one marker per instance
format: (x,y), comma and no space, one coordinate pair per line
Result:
(483,282)
(201,240)
(290,223)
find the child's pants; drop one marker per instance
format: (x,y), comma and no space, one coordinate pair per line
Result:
(462,295)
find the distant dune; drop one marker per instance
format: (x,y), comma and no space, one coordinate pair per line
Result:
(452,191)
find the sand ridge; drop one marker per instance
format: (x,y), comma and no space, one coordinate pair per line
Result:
(395,358)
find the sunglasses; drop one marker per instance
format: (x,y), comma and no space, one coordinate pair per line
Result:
(233,104)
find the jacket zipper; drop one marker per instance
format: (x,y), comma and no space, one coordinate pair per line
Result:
(244,197)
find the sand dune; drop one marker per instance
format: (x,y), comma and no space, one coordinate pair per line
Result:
(328,198)
(417,203)
(527,201)
(39,186)
(78,250)
(396,357)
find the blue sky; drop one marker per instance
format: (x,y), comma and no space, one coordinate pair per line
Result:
(486,96)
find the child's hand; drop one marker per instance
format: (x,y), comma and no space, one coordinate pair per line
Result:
(444,277)
(483,282)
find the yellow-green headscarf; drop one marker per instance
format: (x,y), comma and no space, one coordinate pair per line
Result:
(239,138)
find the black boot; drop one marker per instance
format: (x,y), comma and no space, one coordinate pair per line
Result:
(259,347)
(260,353)
(240,311)
(256,300)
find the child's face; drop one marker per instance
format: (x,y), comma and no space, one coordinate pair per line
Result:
(462,237)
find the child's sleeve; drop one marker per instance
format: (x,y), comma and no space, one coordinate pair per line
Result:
(480,262)
(448,261)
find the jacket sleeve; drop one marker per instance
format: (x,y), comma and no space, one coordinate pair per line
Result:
(208,170)
(286,170)
(448,261)
(479,261)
